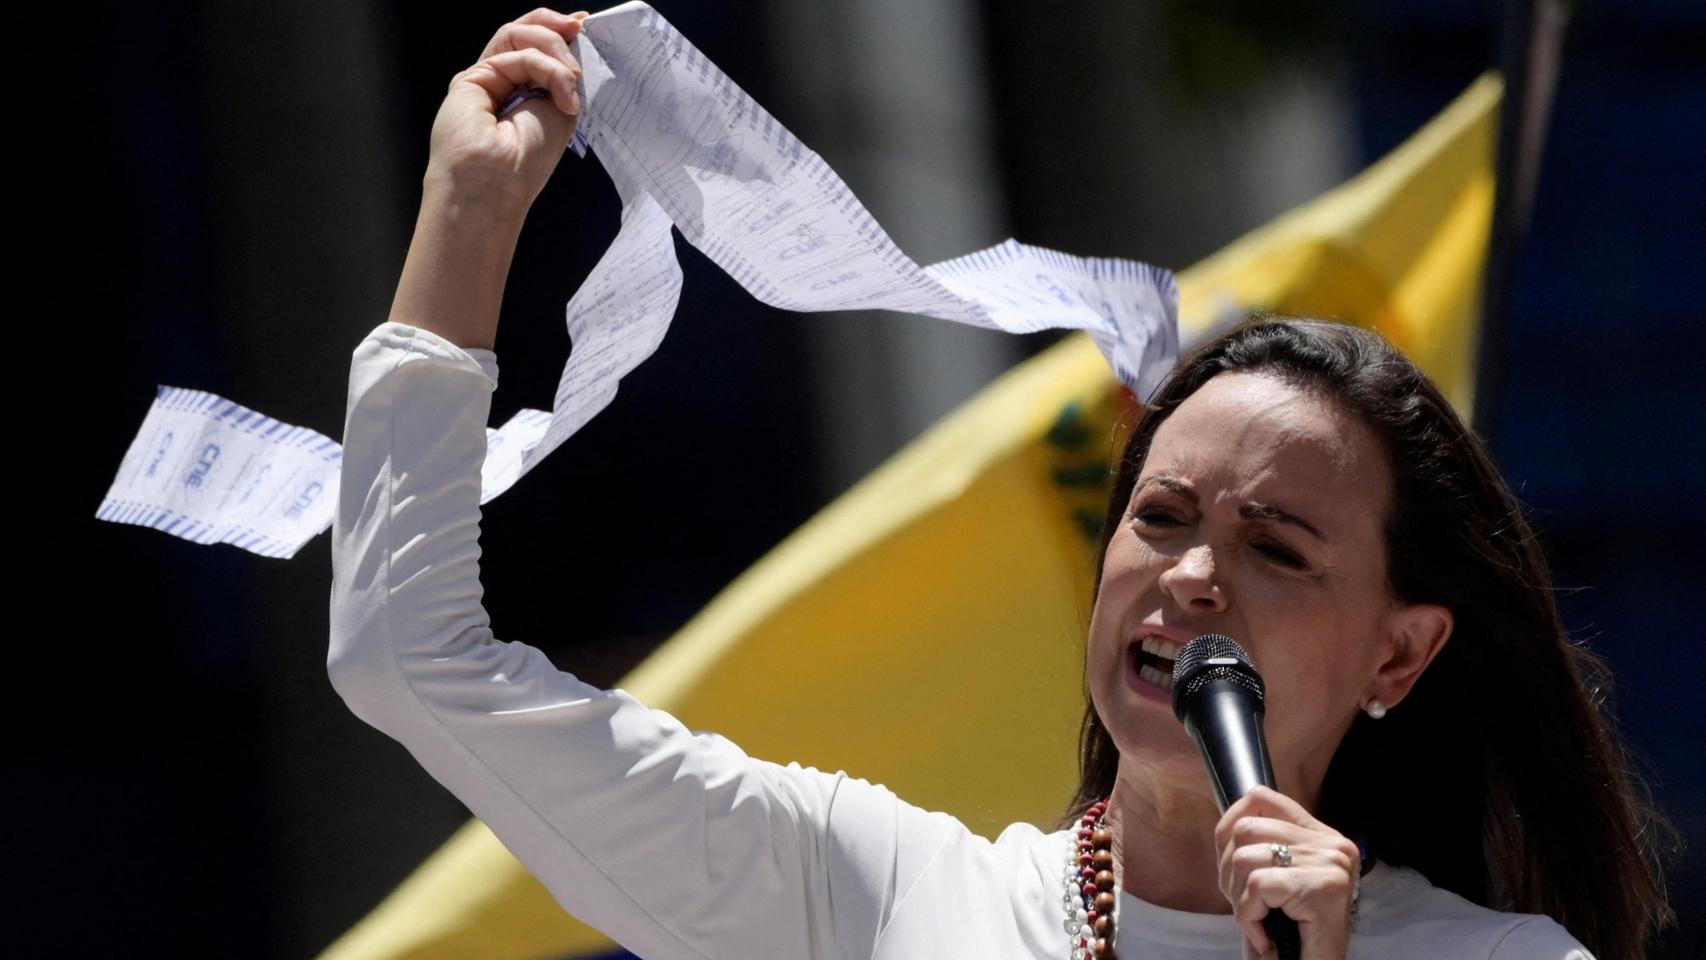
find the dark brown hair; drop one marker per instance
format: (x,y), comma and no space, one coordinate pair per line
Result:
(1500,776)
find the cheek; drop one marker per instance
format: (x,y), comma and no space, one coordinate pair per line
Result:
(1122,580)
(1317,670)
(1128,567)
(1128,557)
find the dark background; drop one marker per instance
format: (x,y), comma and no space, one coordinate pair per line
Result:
(240,191)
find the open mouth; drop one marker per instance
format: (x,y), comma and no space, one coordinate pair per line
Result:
(1155,661)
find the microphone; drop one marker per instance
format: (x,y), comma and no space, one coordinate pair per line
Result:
(1219,697)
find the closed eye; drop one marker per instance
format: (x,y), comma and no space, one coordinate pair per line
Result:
(1152,517)
(1284,556)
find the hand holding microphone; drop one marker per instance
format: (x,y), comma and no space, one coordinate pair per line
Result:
(1290,878)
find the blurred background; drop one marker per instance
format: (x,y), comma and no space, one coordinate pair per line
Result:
(245,191)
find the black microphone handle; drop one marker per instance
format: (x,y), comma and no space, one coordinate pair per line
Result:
(1236,753)
(1229,734)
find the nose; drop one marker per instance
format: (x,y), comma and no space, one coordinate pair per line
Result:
(1192,581)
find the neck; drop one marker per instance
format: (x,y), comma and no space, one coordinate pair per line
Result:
(1163,843)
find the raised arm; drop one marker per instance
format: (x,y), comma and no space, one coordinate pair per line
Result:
(484,173)
(675,844)
(659,837)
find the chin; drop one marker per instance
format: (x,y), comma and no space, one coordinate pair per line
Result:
(1159,745)
(1153,744)
(1145,731)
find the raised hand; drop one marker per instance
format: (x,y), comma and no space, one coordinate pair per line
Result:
(507,159)
(485,170)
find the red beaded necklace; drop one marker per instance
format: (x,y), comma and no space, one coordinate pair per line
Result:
(1090,889)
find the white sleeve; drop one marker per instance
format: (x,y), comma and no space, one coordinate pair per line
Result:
(674,844)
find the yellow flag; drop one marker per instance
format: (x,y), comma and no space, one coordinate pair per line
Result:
(925,631)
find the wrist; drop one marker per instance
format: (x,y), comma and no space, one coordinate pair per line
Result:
(489,203)
(453,277)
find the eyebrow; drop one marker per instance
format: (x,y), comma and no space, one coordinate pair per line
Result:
(1179,487)
(1267,511)
(1254,510)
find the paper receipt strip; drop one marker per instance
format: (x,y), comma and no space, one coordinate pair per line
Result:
(687,149)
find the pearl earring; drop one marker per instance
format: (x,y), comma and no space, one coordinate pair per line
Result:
(1375,709)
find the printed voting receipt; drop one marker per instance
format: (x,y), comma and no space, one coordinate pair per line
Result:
(687,150)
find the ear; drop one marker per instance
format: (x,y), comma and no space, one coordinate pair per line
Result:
(1417,633)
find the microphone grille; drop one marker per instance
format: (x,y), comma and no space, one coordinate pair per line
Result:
(1209,658)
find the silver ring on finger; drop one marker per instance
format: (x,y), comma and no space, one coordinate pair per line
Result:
(1281,853)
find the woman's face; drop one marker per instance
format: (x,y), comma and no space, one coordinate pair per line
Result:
(1259,514)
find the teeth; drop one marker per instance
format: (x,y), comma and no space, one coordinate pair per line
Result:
(1156,677)
(1165,649)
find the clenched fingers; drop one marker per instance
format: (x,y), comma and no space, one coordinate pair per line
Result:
(1265,802)
(1252,849)
(501,74)
(1318,898)
(565,25)
(1314,884)
(548,33)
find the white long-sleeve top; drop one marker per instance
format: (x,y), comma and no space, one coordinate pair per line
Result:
(676,844)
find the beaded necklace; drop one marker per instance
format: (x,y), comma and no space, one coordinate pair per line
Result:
(1091,894)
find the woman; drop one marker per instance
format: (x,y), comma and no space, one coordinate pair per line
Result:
(1497,778)
(1299,486)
